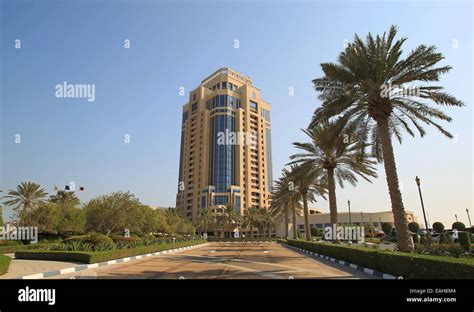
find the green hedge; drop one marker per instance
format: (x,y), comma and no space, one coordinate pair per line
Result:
(4,264)
(94,257)
(15,248)
(408,265)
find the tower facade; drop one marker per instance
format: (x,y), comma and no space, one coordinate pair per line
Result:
(225,155)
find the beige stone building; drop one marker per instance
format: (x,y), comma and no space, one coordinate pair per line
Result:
(225,153)
(321,220)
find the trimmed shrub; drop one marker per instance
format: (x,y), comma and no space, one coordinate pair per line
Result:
(438,227)
(4,264)
(416,238)
(408,265)
(99,256)
(12,249)
(413,227)
(464,240)
(459,226)
(387,228)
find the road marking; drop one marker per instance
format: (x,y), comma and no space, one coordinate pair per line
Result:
(68,270)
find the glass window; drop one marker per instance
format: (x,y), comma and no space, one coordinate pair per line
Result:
(253,105)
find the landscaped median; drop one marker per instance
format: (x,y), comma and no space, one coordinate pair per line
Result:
(4,264)
(407,265)
(90,257)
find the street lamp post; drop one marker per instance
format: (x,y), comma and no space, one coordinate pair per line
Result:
(422,204)
(349,205)
(456,216)
(362,219)
(468,217)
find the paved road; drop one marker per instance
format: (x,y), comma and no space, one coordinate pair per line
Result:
(226,261)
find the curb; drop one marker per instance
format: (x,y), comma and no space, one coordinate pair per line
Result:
(353,266)
(82,267)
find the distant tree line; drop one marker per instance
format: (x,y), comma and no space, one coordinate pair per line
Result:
(62,213)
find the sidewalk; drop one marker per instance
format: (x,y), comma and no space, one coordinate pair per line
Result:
(21,267)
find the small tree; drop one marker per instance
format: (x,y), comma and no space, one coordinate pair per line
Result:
(413,227)
(459,226)
(438,227)
(1,216)
(387,228)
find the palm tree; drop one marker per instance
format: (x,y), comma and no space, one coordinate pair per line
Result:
(205,219)
(366,89)
(64,197)
(285,199)
(250,219)
(27,197)
(231,216)
(280,205)
(220,224)
(267,221)
(309,184)
(338,156)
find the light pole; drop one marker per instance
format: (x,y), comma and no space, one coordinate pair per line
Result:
(417,180)
(349,205)
(456,216)
(468,217)
(362,219)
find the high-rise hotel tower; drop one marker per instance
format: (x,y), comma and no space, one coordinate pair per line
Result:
(225,146)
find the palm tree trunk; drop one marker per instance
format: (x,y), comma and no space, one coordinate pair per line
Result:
(401,224)
(287,221)
(332,196)
(295,236)
(251,230)
(307,230)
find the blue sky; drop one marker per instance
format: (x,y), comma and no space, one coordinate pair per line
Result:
(176,44)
